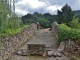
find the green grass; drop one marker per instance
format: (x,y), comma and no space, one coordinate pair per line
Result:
(25,26)
(7,32)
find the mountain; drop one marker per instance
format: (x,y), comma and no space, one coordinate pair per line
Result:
(77,12)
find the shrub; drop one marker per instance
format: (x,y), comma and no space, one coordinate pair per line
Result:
(65,33)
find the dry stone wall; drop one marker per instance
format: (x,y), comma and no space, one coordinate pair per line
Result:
(11,43)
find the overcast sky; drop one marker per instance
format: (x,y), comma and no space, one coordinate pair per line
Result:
(44,6)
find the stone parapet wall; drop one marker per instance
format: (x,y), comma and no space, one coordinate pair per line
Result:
(12,43)
(55,29)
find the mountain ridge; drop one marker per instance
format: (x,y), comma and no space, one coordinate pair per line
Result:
(77,12)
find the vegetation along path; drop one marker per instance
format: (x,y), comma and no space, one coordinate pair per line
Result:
(44,36)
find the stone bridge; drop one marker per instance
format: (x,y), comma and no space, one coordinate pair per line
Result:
(10,44)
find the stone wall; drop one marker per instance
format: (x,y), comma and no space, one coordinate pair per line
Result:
(55,29)
(12,43)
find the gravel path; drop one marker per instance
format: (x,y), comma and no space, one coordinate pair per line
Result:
(41,37)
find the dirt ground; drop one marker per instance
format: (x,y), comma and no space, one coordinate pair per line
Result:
(43,36)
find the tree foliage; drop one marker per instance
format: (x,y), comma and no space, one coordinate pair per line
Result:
(45,19)
(65,15)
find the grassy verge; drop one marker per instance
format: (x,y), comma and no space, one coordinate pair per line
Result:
(7,32)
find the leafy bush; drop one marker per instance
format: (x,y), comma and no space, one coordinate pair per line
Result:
(65,33)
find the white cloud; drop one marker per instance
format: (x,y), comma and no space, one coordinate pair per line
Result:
(32,3)
(44,6)
(78,2)
(53,9)
(21,11)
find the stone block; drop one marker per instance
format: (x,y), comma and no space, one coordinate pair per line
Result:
(61,47)
(36,49)
(22,52)
(57,54)
(50,53)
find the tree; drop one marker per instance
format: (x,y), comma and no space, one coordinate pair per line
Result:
(78,16)
(44,22)
(74,23)
(59,16)
(7,18)
(65,15)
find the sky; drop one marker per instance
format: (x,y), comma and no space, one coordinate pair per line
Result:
(24,7)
